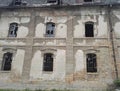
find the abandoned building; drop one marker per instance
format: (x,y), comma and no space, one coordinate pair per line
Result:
(61,44)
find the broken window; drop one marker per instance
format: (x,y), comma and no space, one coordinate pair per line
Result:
(87,0)
(17,2)
(89,29)
(91,62)
(50,28)
(13,30)
(48,62)
(6,63)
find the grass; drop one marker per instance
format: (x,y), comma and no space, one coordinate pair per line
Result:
(31,90)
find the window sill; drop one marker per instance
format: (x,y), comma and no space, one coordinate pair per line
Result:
(5,71)
(47,72)
(90,73)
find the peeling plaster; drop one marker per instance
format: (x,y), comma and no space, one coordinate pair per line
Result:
(22,32)
(61,31)
(2,42)
(25,19)
(17,63)
(40,30)
(79,57)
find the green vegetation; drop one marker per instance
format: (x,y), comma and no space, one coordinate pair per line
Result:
(31,90)
(117,83)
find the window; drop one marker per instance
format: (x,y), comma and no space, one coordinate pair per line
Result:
(89,29)
(51,1)
(87,0)
(50,29)
(91,62)
(13,28)
(17,2)
(6,63)
(48,62)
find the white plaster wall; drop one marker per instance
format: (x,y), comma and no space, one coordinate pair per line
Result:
(22,32)
(59,64)
(17,63)
(79,61)
(79,29)
(58,69)
(102,27)
(5,22)
(25,19)
(61,19)
(4,25)
(40,30)
(2,42)
(36,65)
(100,30)
(117,26)
(61,31)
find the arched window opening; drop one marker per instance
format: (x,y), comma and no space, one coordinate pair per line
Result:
(48,62)
(7,60)
(17,2)
(91,62)
(89,29)
(13,28)
(50,29)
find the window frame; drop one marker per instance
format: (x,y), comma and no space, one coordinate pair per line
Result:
(47,30)
(4,63)
(45,65)
(94,69)
(92,30)
(13,32)
(88,1)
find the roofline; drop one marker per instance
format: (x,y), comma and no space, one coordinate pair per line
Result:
(60,6)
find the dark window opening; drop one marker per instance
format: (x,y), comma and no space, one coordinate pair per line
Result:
(91,62)
(50,28)
(48,62)
(87,0)
(6,63)
(13,30)
(17,2)
(89,29)
(51,1)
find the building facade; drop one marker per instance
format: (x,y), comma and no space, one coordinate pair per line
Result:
(59,44)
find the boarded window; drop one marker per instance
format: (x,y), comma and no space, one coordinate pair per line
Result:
(48,62)
(91,62)
(50,29)
(6,63)
(87,0)
(13,28)
(89,29)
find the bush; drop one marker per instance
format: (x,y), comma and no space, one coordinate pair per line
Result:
(117,82)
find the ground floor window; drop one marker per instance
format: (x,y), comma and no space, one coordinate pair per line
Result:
(91,62)
(48,62)
(7,60)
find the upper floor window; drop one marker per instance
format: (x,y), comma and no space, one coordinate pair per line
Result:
(91,62)
(6,63)
(17,2)
(50,29)
(48,62)
(51,1)
(13,28)
(89,29)
(88,0)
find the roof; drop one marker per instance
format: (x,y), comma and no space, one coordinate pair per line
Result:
(35,3)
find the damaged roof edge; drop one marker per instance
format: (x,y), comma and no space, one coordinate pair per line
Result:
(65,3)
